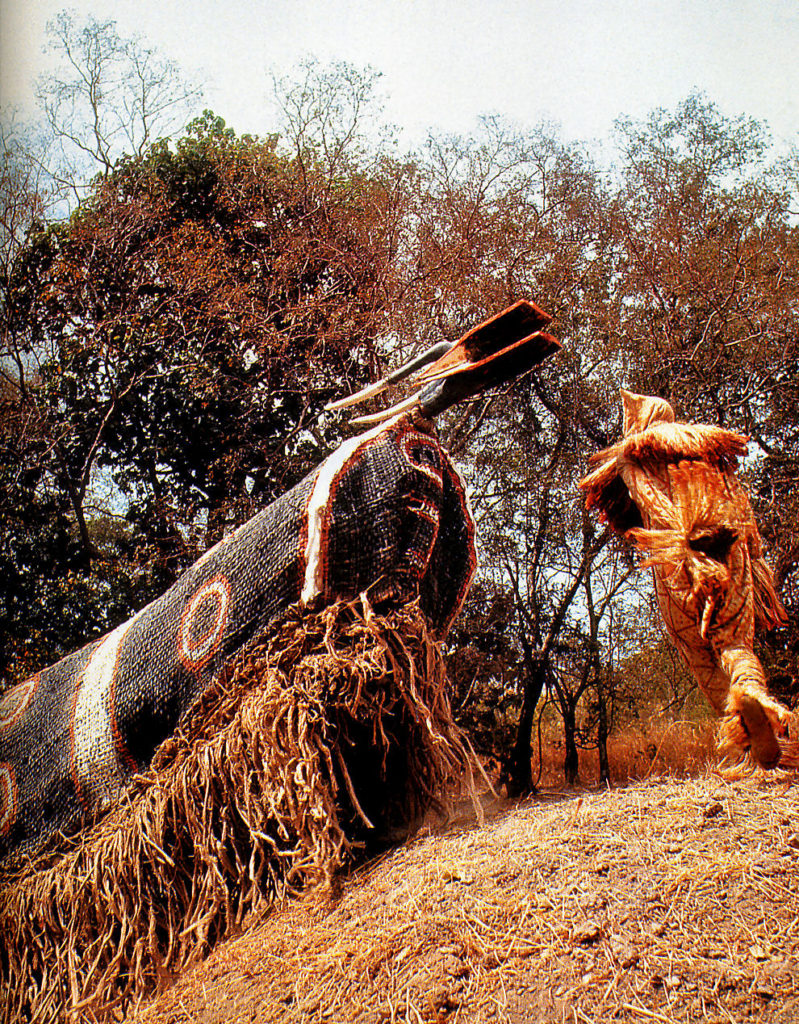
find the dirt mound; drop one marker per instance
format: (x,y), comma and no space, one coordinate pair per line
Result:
(668,901)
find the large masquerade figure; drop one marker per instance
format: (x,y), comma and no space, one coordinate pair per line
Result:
(385,513)
(671,488)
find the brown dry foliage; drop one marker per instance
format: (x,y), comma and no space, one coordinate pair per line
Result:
(661,748)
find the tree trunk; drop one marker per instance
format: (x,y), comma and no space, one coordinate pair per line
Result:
(602,734)
(518,772)
(571,763)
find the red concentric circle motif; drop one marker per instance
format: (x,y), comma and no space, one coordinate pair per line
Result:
(15,702)
(8,798)
(203,622)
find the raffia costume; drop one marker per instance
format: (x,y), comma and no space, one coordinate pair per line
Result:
(672,489)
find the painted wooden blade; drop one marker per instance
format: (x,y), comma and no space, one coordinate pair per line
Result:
(435,352)
(495,351)
(384,414)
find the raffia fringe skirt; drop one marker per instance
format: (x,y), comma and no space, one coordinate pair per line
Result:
(334,727)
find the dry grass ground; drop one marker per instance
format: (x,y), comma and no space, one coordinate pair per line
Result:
(664,901)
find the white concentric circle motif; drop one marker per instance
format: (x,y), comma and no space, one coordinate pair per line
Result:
(15,702)
(8,798)
(203,621)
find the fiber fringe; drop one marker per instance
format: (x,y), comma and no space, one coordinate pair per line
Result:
(335,721)
(661,443)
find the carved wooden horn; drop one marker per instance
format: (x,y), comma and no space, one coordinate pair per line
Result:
(495,351)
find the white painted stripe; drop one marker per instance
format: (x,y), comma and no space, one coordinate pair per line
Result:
(96,761)
(318,505)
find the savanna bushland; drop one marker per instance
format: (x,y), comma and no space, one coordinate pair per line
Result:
(179,302)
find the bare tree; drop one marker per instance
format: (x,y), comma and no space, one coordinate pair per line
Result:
(24,201)
(106,96)
(331,114)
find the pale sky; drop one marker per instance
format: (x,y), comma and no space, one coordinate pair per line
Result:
(581,63)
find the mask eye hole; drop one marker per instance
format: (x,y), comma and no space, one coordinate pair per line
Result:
(714,542)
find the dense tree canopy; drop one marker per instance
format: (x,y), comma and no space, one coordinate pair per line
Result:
(676,274)
(177,338)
